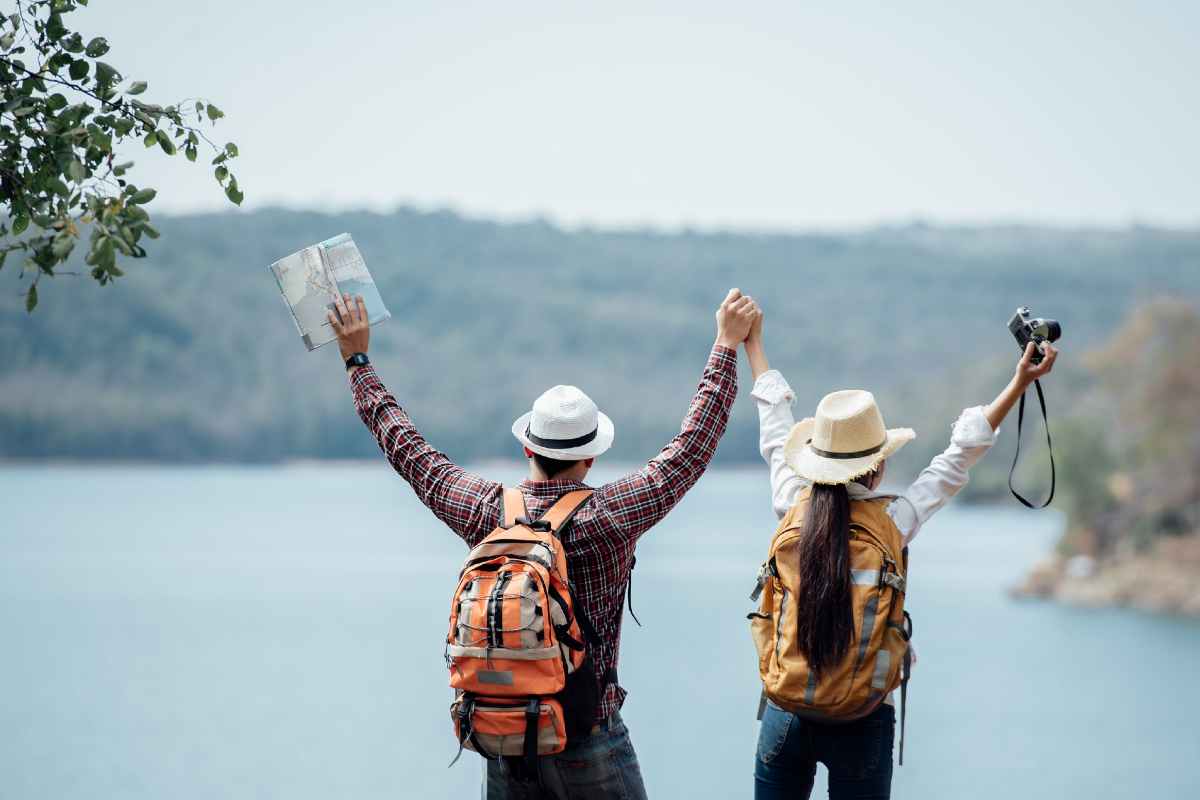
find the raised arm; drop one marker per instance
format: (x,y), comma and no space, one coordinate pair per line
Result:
(641,499)
(774,398)
(467,503)
(972,436)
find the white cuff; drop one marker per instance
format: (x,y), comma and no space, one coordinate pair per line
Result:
(973,430)
(772,388)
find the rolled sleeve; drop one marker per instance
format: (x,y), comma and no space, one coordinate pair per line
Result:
(972,429)
(774,398)
(772,388)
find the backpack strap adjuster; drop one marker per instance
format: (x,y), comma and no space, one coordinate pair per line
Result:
(540,525)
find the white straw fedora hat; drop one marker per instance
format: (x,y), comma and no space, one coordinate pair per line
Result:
(564,424)
(845,440)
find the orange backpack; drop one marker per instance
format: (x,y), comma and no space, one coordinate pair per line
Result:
(523,680)
(878,659)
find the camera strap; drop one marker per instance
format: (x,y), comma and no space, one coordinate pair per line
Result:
(1020,419)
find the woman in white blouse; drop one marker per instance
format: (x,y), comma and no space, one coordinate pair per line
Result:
(857,754)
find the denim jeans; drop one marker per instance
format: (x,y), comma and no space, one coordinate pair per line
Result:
(603,765)
(857,754)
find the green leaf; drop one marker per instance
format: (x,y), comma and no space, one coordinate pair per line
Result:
(151,139)
(78,69)
(143,196)
(232,192)
(20,224)
(137,87)
(58,187)
(231,148)
(54,27)
(62,246)
(121,169)
(166,144)
(101,141)
(106,74)
(97,47)
(190,152)
(6,41)
(31,299)
(76,171)
(222,173)
(56,102)
(123,126)
(214,113)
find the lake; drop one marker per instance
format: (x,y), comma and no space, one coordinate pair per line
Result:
(277,632)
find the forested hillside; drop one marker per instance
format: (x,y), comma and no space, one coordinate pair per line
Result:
(192,355)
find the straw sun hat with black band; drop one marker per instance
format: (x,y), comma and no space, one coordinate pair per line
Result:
(845,440)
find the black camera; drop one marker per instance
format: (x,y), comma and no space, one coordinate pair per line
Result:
(1027,328)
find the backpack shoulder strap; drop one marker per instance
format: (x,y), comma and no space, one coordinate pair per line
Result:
(513,506)
(565,508)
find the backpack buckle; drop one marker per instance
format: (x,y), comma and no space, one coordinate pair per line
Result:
(534,524)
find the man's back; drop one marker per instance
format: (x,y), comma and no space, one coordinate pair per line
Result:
(601,539)
(566,432)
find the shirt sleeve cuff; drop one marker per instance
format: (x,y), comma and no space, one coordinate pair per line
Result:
(972,429)
(772,388)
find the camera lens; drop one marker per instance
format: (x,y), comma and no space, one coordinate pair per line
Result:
(1053,330)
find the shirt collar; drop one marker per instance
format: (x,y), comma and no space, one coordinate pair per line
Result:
(553,488)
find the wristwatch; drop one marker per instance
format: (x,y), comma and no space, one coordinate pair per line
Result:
(357,360)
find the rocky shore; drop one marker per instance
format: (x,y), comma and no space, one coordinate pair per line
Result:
(1165,579)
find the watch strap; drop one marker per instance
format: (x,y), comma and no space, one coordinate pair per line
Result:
(357,360)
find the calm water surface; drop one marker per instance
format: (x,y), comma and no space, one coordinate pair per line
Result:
(277,633)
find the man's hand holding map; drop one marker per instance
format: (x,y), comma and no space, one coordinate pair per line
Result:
(311,280)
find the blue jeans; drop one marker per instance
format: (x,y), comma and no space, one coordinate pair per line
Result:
(603,765)
(857,754)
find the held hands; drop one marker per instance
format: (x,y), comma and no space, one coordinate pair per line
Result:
(351,325)
(1027,371)
(736,317)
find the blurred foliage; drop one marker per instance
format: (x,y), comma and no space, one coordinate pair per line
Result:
(1138,475)
(195,358)
(63,117)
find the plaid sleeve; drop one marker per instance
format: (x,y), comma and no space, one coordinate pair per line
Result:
(638,501)
(467,503)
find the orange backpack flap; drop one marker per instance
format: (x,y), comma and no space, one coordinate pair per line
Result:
(514,634)
(873,664)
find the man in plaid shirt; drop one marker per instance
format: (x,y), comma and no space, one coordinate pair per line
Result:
(602,537)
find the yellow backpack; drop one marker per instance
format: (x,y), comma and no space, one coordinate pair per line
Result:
(878,659)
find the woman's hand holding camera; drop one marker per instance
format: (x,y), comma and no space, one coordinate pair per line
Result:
(1028,370)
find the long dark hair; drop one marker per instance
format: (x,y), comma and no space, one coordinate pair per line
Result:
(824,618)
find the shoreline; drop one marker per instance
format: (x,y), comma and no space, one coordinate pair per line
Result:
(1162,580)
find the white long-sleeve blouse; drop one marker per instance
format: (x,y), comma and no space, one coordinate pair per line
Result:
(970,438)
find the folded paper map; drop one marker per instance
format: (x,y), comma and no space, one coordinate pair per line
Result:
(311,280)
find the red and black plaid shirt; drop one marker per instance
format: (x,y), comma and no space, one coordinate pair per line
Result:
(600,541)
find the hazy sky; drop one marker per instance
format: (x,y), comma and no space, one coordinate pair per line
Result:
(692,113)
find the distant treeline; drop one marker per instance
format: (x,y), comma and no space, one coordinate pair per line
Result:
(192,355)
